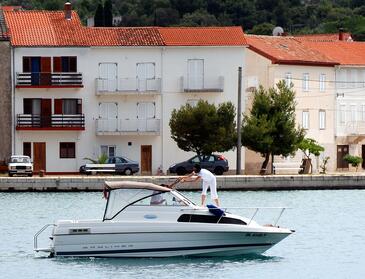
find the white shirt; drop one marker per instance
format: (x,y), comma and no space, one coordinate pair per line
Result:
(206,175)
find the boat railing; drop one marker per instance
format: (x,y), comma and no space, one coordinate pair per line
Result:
(35,238)
(256,210)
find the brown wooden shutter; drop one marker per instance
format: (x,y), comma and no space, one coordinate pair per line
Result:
(79,106)
(57,65)
(26,64)
(58,106)
(46,64)
(73,64)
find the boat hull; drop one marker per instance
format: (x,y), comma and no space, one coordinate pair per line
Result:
(165,244)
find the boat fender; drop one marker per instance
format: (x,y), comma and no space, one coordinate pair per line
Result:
(215,210)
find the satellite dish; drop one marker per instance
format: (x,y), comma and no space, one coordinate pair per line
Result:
(278,31)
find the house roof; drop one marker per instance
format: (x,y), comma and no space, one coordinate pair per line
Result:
(50,28)
(324,37)
(345,53)
(203,36)
(287,50)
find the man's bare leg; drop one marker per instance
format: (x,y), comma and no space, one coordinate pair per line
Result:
(203,199)
(216,202)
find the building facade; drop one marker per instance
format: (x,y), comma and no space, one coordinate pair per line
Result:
(311,75)
(82,91)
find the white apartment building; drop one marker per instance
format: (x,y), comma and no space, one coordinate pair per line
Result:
(81,91)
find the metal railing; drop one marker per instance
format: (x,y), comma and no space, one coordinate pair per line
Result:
(49,79)
(35,239)
(135,85)
(127,125)
(52,121)
(205,84)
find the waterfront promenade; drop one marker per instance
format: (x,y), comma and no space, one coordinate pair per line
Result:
(224,182)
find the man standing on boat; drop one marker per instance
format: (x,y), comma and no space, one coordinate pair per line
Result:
(209,181)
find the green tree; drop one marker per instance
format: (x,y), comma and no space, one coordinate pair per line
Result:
(270,128)
(199,18)
(108,13)
(355,161)
(204,129)
(310,147)
(99,15)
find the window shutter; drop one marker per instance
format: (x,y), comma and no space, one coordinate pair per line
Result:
(57,64)
(73,64)
(26,64)
(79,106)
(27,106)
(46,64)
(58,106)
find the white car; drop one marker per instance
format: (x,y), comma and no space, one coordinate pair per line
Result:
(20,164)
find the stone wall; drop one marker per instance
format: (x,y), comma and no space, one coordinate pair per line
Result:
(5,100)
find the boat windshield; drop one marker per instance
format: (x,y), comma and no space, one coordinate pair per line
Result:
(120,199)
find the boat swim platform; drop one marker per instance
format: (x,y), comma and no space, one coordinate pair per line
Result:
(54,183)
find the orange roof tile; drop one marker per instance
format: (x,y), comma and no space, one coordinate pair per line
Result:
(324,37)
(345,53)
(287,50)
(50,28)
(203,36)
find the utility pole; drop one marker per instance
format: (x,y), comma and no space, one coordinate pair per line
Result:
(239,144)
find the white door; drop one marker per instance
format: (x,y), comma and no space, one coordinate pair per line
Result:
(108,77)
(146,77)
(145,115)
(108,117)
(195,74)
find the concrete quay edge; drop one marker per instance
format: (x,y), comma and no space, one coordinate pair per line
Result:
(228,182)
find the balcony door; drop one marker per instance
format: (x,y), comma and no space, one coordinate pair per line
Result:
(145,112)
(108,77)
(108,117)
(195,74)
(146,77)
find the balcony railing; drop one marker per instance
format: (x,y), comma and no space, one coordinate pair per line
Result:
(128,86)
(46,80)
(52,122)
(128,126)
(206,84)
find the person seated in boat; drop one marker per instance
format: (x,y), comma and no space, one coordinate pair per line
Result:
(157,198)
(209,181)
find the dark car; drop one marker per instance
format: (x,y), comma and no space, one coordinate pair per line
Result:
(117,165)
(214,163)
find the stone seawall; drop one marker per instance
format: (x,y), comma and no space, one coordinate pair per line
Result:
(241,182)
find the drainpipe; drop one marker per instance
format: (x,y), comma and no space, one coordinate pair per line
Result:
(13,151)
(162,109)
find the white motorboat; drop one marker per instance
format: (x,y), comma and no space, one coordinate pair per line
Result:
(147,220)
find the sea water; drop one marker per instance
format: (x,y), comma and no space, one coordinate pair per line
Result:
(329,241)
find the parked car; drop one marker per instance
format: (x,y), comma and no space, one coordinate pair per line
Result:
(214,163)
(117,165)
(20,164)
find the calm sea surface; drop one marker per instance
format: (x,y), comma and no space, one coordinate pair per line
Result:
(329,241)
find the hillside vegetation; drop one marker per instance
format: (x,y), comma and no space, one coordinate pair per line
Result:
(255,16)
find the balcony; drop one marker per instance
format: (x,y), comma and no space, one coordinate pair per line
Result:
(128,86)
(49,80)
(206,84)
(56,122)
(128,127)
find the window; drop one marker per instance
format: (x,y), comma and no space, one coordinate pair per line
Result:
(68,106)
(322,82)
(27,149)
(192,102)
(120,160)
(67,150)
(288,79)
(322,119)
(32,106)
(108,150)
(306,82)
(65,64)
(342,114)
(353,115)
(305,119)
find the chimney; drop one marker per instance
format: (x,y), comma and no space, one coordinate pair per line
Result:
(341,34)
(67,10)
